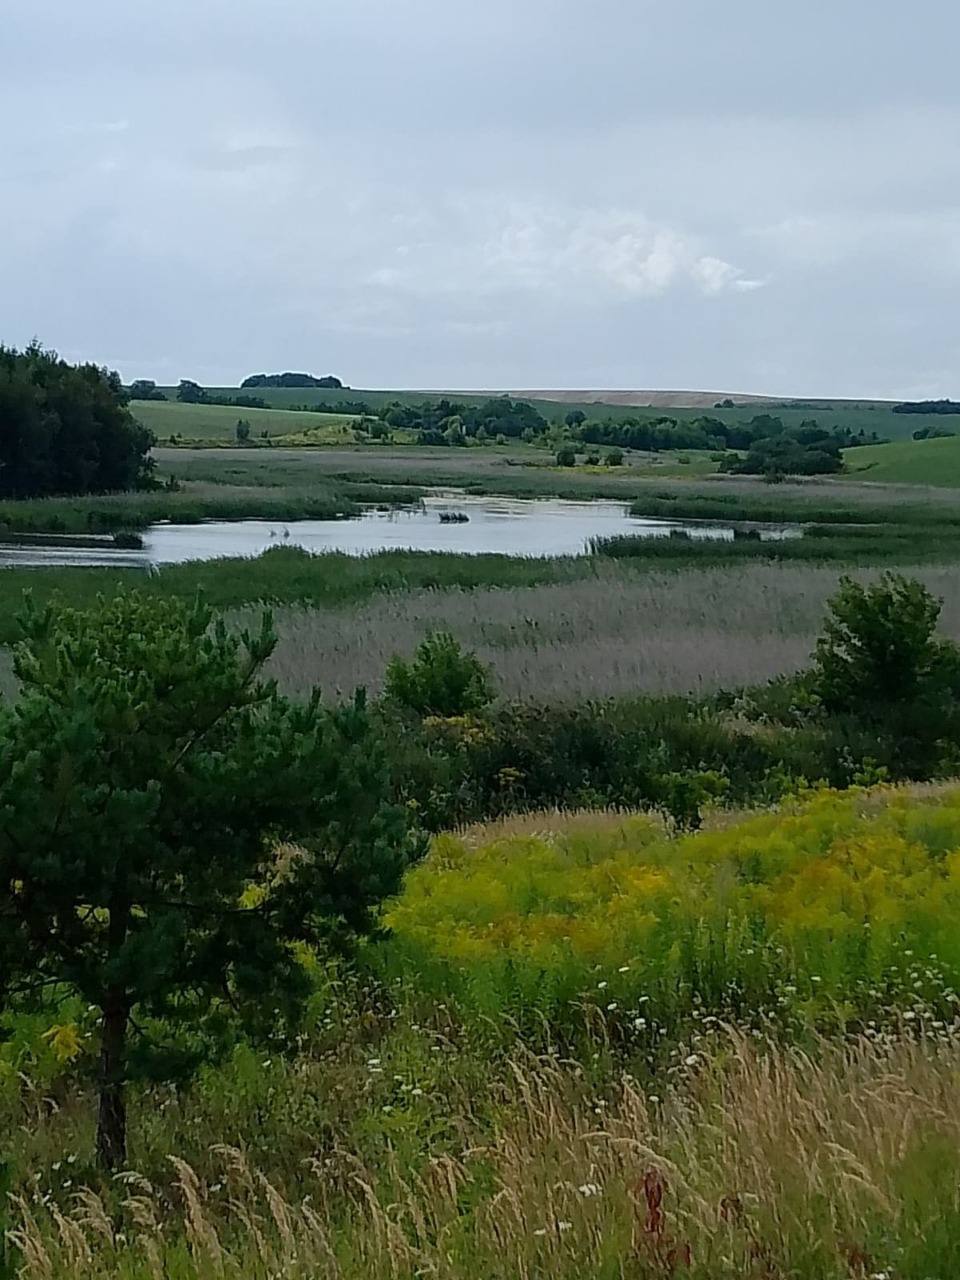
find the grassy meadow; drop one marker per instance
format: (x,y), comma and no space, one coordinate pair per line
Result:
(918,462)
(217,423)
(589,1049)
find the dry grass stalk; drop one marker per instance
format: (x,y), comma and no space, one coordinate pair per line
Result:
(756,1162)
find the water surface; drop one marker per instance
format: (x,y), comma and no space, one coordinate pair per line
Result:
(504,526)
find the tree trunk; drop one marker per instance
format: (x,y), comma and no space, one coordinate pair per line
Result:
(112,1117)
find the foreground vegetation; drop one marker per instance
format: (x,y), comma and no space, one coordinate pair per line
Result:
(601,1044)
(667,1135)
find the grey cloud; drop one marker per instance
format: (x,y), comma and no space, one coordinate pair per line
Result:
(414,192)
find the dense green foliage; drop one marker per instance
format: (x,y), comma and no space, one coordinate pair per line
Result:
(145,389)
(148,777)
(441,679)
(880,653)
(785,455)
(450,422)
(65,429)
(883,701)
(795,449)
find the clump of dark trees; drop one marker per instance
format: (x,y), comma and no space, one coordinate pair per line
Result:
(927,406)
(328,383)
(66,429)
(447,422)
(768,446)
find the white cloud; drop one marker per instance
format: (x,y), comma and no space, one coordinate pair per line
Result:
(586,254)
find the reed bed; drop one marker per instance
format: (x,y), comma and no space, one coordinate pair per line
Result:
(695,630)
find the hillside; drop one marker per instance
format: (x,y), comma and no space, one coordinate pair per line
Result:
(693,399)
(217,422)
(856,415)
(935,462)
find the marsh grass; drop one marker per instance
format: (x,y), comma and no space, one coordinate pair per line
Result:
(697,630)
(560,630)
(193,502)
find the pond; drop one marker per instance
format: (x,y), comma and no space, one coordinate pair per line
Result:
(504,526)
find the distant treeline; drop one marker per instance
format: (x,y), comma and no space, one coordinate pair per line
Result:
(927,406)
(655,434)
(328,383)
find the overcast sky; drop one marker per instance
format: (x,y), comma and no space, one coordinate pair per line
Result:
(743,195)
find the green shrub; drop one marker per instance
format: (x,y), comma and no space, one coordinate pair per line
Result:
(879,648)
(566,458)
(442,680)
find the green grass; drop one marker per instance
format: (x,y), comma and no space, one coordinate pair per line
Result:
(218,423)
(930,462)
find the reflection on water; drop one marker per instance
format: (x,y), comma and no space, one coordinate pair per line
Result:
(505,526)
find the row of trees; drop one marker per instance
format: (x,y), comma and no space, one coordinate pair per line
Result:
(928,406)
(664,432)
(66,429)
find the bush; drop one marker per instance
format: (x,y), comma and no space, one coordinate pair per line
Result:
(879,648)
(566,458)
(614,458)
(442,680)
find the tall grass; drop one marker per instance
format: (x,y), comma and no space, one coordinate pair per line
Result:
(288,574)
(750,1162)
(617,633)
(554,630)
(192,503)
(403,1138)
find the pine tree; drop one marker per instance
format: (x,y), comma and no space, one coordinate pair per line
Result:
(148,776)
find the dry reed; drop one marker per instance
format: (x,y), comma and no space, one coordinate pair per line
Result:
(753,1162)
(695,630)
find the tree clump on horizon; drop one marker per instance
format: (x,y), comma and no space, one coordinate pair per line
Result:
(329,383)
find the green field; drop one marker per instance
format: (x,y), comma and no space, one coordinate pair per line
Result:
(217,422)
(933,462)
(855,415)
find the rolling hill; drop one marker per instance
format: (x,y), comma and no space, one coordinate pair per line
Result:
(934,462)
(870,416)
(217,422)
